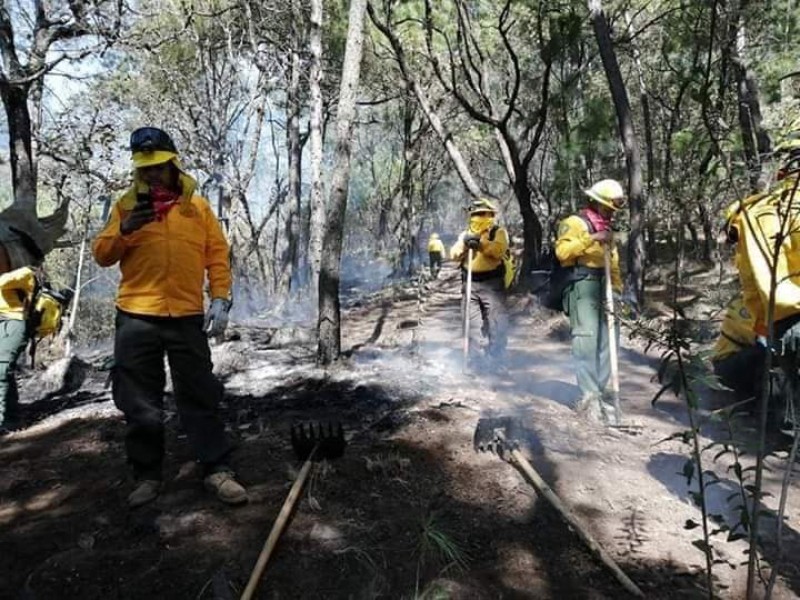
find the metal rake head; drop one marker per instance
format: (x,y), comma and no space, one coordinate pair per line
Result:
(497,434)
(326,441)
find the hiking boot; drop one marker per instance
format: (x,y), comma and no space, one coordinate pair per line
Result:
(146,491)
(227,489)
(589,407)
(608,409)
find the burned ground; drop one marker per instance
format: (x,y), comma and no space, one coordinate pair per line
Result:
(409,511)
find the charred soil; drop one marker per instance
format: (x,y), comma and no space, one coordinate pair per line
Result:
(409,511)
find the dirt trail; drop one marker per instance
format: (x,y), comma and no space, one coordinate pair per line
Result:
(410,511)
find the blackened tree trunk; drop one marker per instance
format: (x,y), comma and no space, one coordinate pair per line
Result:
(290,264)
(635,262)
(329,323)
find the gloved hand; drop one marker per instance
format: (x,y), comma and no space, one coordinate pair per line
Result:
(142,214)
(217,317)
(472,241)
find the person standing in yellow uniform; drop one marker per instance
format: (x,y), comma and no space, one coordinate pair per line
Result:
(581,247)
(487,303)
(436,254)
(768,236)
(167,241)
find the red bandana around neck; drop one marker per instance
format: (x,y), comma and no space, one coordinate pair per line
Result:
(163,200)
(598,221)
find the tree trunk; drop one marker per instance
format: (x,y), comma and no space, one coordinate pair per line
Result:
(755,139)
(317,201)
(290,266)
(329,323)
(441,131)
(23,165)
(635,275)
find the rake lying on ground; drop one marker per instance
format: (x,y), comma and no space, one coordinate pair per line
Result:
(310,444)
(503,435)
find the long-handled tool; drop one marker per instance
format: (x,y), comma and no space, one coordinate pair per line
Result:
(611,318)
(310,444)
(504,434)
(467,301)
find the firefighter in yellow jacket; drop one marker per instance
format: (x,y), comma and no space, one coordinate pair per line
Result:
(581,247)
(767,227)
(28,309)
(436,254)
(737,356)
(167,242)
(487,304)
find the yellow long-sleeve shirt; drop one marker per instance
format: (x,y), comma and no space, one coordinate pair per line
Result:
(436,245)
(489,255)
(164,264)
(575,246)
(760,226)
(736,331)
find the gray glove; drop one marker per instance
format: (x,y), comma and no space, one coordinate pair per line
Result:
(217,317)
(472,241)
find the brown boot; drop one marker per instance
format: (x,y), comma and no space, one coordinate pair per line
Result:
(146,491)
(227,489)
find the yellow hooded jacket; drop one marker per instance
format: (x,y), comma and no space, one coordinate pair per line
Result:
(760,226)
(489,256)
(575,246)
(16,288)
(164,264)
(436,245)
(736,331)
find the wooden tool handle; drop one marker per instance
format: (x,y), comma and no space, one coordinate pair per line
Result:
(541,487)
(613,355)
(467,302)
(277,528)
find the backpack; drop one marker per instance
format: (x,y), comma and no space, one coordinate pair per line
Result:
(550,278)
(509,269)
(45,314)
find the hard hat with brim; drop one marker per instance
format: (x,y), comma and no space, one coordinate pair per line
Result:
(607,192)
(482,205)
(152,158)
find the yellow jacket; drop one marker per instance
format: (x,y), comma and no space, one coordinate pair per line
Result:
(575,246)
(436,245)
(489,255)
(760,225)
(16,289)
(164,264)
(736,331)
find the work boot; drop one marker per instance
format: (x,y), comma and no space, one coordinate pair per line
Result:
(589,407)
(146,491)
(227,489)
(608,409)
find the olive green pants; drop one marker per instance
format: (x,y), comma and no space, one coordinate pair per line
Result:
(12,342)
(583,302)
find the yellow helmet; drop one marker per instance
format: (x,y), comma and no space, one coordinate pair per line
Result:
(607,192)
(434,236)
(482,205)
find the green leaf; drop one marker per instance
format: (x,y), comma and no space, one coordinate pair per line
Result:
(702,545)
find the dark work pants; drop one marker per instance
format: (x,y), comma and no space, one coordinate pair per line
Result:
(435,262)
(487,315)
(138,388)
(12,343)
